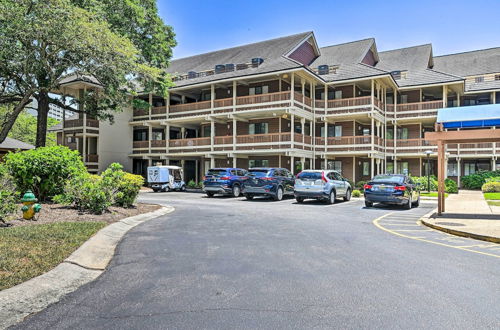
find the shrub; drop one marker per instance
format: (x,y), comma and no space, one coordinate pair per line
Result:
(128,189)
(476,180)
(85,192)
(8,195)
(450,186)
(199,185)
(493,179)
(96,194)
(360,185)
(356,193)
(422,180)
(44,170)
(491,187)
(191,184)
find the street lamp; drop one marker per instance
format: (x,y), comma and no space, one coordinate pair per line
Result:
(428,154)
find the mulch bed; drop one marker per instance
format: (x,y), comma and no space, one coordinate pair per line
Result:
(51,213)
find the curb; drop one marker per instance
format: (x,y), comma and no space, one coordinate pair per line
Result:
(81,267)
(455,232)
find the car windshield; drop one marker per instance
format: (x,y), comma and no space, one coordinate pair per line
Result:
(309,176)
(389,178)
(258,173)
(217,172)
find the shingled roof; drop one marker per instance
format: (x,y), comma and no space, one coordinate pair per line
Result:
(347,57)
(13,144)
(271,51)
(417,61)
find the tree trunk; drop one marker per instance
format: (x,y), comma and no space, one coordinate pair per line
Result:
(41,124)
(7,125)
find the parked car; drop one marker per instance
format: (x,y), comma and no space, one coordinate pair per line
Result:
(226,181)
(324,185)
(268,181)
(392,189)
(166,178)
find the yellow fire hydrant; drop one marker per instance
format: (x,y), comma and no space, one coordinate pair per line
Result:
(30,205)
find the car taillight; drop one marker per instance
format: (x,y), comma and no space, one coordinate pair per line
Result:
(224,178)
(267,178)
(323,177)
(367,186)
(400,188)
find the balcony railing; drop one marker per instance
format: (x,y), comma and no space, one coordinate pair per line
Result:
(74,123)
(140,144)
(92,158)
(470,149)
(412,146)
(194,142)
(347,106)
(416,109)
(158,143)
(264,138)
(349,143)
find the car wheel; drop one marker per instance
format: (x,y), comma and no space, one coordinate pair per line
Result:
(299,199)
(347,195)
(331,198)
(210,194)
(368,204)
(417,202)
(279,194)
(155,190)
(409,204)
(249,197)
(236,191)
(166,189)
(183,188)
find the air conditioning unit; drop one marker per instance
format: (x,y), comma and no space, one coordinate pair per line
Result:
(396,75)
(323,69)
(220,68)
(256,61)
(192,74)
(229,67)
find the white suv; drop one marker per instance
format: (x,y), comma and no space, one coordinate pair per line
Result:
(325,185)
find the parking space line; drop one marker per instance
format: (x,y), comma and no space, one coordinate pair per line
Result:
(422,239)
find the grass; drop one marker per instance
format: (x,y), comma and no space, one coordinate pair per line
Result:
(29,251)
(492,196)
(494,203)
(431,194)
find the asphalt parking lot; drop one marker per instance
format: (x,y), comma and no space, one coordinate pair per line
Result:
(229,263)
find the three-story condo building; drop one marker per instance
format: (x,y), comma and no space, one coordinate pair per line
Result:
(287,102)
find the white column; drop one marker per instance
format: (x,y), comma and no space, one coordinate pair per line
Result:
(212,162)
(235,126)
(292,129)
(354,169)
(445,100)
(303,162)
(212,97)
(459,170)
(212,134)
(183,169)
(167,137)
(292,88)
(303,125)
(150,136)
(234,161)
(493,97)
(372,166)
(292,164)
(196,170)
(458,99)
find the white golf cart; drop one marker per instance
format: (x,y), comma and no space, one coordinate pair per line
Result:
(166,178)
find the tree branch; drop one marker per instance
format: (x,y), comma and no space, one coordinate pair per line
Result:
(11,119)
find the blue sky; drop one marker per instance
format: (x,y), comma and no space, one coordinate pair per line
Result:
(451,26)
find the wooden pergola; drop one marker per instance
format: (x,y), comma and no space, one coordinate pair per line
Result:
(470,125)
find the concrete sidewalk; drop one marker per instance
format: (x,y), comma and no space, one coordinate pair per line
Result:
(466,214)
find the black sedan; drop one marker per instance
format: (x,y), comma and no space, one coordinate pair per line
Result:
(268,181)
(396,189)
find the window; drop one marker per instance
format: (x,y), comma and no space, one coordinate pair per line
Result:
(338,130)
(259,90)
(205,96)
(452,169)
(335,165)
(404,98)
(497,77)
(366,131)
(469,168)
(206,131)
(366,168)
(390,134)
(258,163)
(338,94)
(479,79)
(141,135)
(403,133)
(157,135)
(390,168)
(258,128)
(337,176)
(241,172)
(403,168)
(298,128)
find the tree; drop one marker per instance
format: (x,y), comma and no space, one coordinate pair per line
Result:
(42,42)
(24,128)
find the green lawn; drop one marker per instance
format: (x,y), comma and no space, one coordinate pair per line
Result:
(494,203)
(29,251)
(490,196)
(431,194)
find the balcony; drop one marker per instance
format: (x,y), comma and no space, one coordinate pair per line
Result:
(415,110)
(243,103)
(92,158)
(349,144)
(411,146)
(471,149)
(348,106)
(79,123)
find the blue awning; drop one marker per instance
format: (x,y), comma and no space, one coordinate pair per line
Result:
(468,117)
